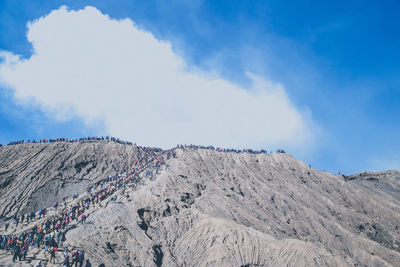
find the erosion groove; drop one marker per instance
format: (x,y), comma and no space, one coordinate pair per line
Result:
(35,169)
(210,208)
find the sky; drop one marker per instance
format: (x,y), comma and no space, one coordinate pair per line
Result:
(320,80)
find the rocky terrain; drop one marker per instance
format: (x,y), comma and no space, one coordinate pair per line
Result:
(34,176)
(210,208)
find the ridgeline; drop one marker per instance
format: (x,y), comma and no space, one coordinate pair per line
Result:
(193,206)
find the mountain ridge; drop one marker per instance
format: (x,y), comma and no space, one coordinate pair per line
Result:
(212,208)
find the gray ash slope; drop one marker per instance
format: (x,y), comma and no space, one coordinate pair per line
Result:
(208,208)
(34,176)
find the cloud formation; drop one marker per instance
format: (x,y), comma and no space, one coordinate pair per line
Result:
(86,63)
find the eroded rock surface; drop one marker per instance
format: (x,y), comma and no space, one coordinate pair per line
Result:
(34,176)
(209,208)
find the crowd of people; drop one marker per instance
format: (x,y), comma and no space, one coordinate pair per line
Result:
(70,140)
(117,140)
(48,234)
(230,150)
(50,231)
(42,238)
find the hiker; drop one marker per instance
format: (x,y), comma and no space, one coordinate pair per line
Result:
(53,255)
(2,241)
(63,237)
(88,264)
(47,242)
(66,262)
(16,252)
(53,243)
(25,249)
(74,258)
(83,218)
(58,237)
(81,258)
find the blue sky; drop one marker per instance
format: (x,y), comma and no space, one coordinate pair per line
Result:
(338,62)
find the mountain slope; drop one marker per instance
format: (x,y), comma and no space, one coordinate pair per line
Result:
(34,176)
(225,209)
(209,208)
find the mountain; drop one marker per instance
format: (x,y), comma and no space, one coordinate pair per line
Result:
(207,208)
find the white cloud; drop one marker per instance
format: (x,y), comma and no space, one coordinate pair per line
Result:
(99,68)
